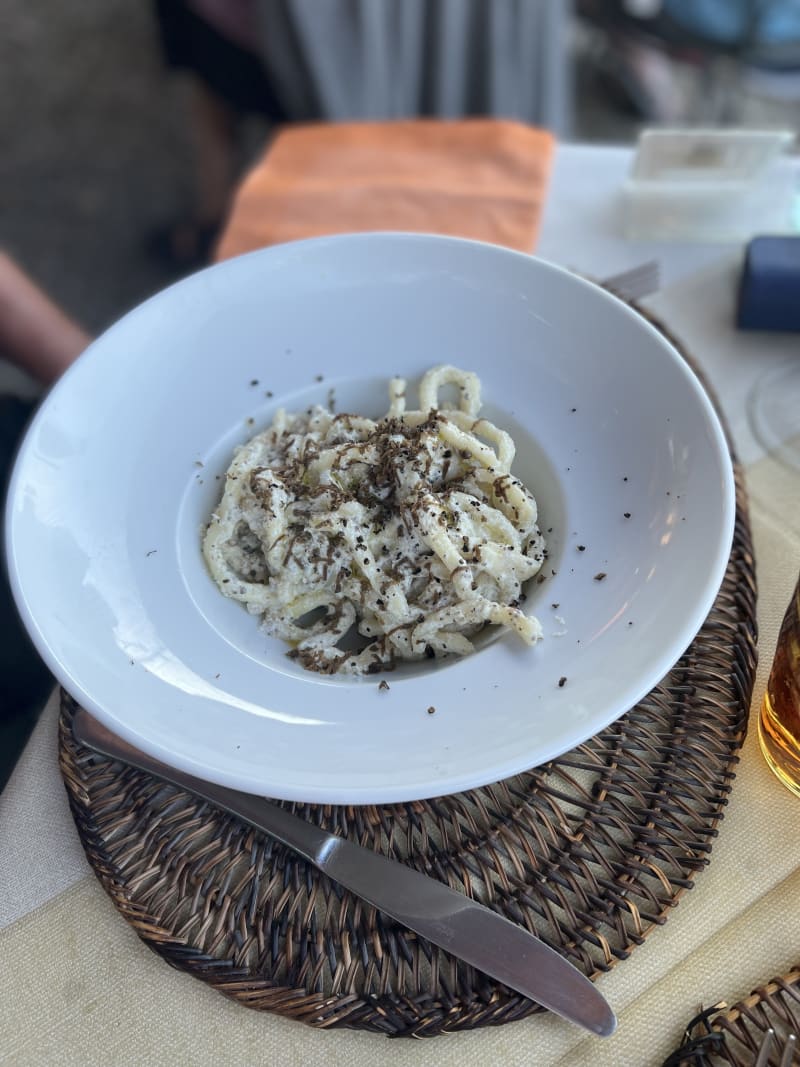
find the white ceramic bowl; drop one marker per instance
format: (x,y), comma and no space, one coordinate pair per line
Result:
(118,473)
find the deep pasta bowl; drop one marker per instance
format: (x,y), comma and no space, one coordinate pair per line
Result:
(124,462)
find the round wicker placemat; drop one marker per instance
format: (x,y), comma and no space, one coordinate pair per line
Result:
(590,852)
(734,1035)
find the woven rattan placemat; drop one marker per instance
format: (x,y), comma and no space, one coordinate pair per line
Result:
(733,1035)
(590,851)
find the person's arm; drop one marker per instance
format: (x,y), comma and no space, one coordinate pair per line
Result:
(35,334)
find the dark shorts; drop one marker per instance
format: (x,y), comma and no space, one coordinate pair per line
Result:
(190,43)
(25,682)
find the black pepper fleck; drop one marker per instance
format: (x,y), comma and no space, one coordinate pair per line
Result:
(383,686)
(254,381)
(600,576)
(152,552)
(626,514)
(581,548)
(562,681)
(431,710)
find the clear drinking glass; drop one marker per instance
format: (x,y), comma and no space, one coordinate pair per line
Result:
(774,411)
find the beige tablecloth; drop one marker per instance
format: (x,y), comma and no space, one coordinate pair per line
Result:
(77,987)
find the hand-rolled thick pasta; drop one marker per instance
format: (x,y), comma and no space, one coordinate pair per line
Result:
(409,533)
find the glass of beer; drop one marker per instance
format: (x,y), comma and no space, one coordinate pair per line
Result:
(779,722)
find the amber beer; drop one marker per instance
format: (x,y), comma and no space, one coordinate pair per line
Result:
(779,724)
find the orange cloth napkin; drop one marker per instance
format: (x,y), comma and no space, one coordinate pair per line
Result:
(479,178)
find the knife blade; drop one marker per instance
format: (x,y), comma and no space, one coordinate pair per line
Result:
(449,919)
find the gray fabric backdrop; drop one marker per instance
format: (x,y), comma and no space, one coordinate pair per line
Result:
(378,59)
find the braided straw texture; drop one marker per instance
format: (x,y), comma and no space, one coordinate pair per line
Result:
(734,1035)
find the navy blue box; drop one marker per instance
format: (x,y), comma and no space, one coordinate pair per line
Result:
(769,289)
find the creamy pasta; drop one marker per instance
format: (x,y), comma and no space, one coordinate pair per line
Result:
(362,543)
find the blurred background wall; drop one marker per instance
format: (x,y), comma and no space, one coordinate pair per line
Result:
(91,152)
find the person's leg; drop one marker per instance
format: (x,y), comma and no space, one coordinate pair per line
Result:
(226,82)
(213,124)
(214,145)
(35,334)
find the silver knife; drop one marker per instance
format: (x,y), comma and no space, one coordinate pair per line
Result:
(431,909)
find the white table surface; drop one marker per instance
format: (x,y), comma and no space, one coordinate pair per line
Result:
(582,226)
(64,947)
